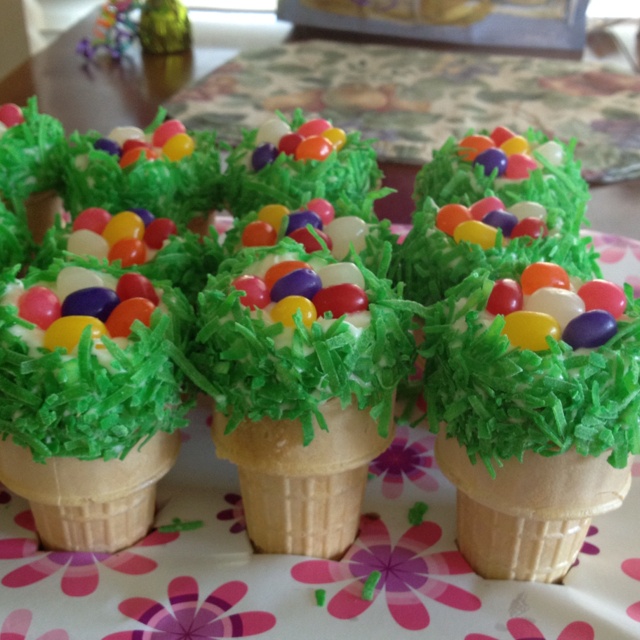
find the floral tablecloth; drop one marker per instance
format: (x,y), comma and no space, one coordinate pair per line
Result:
(412,99)
(195,576)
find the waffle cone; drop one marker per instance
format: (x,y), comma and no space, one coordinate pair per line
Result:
(90,505)
(303,500)
(42,208)
(530,521)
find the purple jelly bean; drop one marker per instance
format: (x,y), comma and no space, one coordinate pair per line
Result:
(301,282)
(492,160)
(98,302)
(590,329)
(300,219)
(263,155)
(500,219)
(146,215)
(108,146)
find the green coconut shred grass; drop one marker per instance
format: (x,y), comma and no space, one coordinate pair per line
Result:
(346,175)
(446,179)
(430,261)
(499,402)
(61,405)
(238,361)
(16,242)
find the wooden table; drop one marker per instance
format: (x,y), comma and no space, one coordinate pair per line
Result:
(104,93)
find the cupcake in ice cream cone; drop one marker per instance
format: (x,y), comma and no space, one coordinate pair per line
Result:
(90,400)
(302,355)
(533,385)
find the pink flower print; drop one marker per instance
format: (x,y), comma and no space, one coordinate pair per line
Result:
(613,248)
(406,459)
(406,571)
(80,570)
(631,567)
(523,629)
(187,621)
(16,627)
(236,513)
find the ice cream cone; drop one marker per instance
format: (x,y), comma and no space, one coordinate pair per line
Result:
(303,500)
(41,209)
(90,505)
(530,521)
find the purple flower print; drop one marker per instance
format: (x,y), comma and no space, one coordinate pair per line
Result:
(406,459)
(631,567)
(236,513)
(407,571)
(523,629)
(16,627)
(187,620)
(80,575)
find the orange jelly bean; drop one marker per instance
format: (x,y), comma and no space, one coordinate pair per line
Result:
(529,329)
(450,216)
(543,274)
(313,148)
(123,316)
(470,146)
(280,269)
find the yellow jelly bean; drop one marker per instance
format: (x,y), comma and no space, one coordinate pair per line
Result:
(179,146)
(515,144)
(337,137)
(125,224)
(284,310)
(273,214)
(66,331)
(529,329)
(476,232)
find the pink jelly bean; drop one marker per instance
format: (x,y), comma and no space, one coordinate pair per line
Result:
(519,166)
(40,306)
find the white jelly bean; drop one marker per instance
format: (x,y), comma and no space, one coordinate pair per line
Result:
(552,152)
(341,273)
(528,209)
(122,134)
(562,304)
(347,231)
(271,131)
(72,279)
(85,242)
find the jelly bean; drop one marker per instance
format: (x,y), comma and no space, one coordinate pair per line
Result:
(145,215)
(340,300)
(501,220)
(129,251)
(530,329)
(527,209)
(552,152)
(94,218)
(300,219)
(519,166)
(263,155)
(515,144)
(543,274)
(601,294)
(501,134)
(133,143)
(108,146)
(122,317)
(450,216)
(135,285)
(284,311)
(72,279)
(313,127)
(313,148)
(492,161)
(337,137)
(179,146)
(289,143)
(125,224)
(159,231)
(132,156)
(530,227)
(66,332)
(301,282)
(323,208)
(272,131)
(590,330)
(165,131)
(347,232)
(88,243)
(309,241)
(505,297)
(257,293)
(476,232)
(11,114)
(258,234)
(562,304)
(122,134)
(480,208)
(470,146)
(341,273)
(273,215)
(97,302)
(40,306)
(280,269)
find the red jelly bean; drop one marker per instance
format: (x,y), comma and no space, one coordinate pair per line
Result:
(450,216)
(94,219)
(129,251)
(314,127)
(531,227)
(519,166)
(289,143)
(340,299)
(259,234)
(323,208)
(501,134)
(40,306)
(167,130)
(134,143)
(135,285)
(133,155)
(257,293)
(123,316)
(158,231)
(308,240)
(480,209)
(543,274)
(506,297)
(11,114)
(603,295)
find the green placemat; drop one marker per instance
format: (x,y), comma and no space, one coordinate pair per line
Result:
(412,99)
